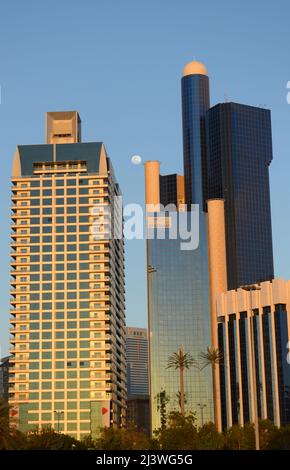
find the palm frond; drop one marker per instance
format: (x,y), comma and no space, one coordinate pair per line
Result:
(211,356)
(180,360)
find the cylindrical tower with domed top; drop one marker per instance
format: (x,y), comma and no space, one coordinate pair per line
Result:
(195,103)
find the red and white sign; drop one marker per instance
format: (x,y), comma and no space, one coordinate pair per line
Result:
(105,412)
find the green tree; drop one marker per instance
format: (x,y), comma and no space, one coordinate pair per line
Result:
(51,440)
(280,439)
(162,399)
(6,440)
(178,396)
(88,442)
(209,438)
(267,430)
(10,438)
(179,434)
(181,360)
(240,438)
(213,357)
(123,439)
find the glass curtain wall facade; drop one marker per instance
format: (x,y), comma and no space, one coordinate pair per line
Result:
(178,281)
(137,361)
(178,300)
(195,103)
(68,367)
(137,355)
(270,316)
(171,190)
(239,155)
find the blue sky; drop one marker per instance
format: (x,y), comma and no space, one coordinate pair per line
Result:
(119,64)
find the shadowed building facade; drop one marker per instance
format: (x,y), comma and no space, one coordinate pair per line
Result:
(138,410)
(137,361)
(171,190)
(4,378)
(68,368)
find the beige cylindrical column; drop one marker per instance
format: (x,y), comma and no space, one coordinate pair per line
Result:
(217,277)
(217,257)
(180,191)
(152,187)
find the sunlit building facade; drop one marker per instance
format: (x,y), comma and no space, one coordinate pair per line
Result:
(68,368)
(269,309)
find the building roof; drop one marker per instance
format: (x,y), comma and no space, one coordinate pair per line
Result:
(194,68)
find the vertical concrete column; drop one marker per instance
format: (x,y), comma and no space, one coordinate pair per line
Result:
(152,187)
(217,277)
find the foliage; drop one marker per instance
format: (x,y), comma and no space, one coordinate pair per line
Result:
(211,357)
(267,431)
(10,438)
(279,439)
(89,443)
(240,438)
(51,440)
(162,400)
(123,439)
(180,360)
(180,433)
(209,438)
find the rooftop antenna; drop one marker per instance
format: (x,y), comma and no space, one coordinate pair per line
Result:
(226,95)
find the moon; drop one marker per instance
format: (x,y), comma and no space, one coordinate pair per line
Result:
(136,160)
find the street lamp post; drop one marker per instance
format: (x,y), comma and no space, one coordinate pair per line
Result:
(250,289)
(58,414)
(201,406)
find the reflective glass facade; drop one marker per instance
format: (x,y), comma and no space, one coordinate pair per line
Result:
(239,155)
(178,281)
(179,317)
(168,189)
(195,103)
(137,362)
(282,363)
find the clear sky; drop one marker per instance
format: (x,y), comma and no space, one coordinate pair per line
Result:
(119,64)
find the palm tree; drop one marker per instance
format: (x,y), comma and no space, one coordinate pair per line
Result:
(212,357)
(178,396)
(180,360)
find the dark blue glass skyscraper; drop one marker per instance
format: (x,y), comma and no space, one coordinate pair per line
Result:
(239,155)
(195,103)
